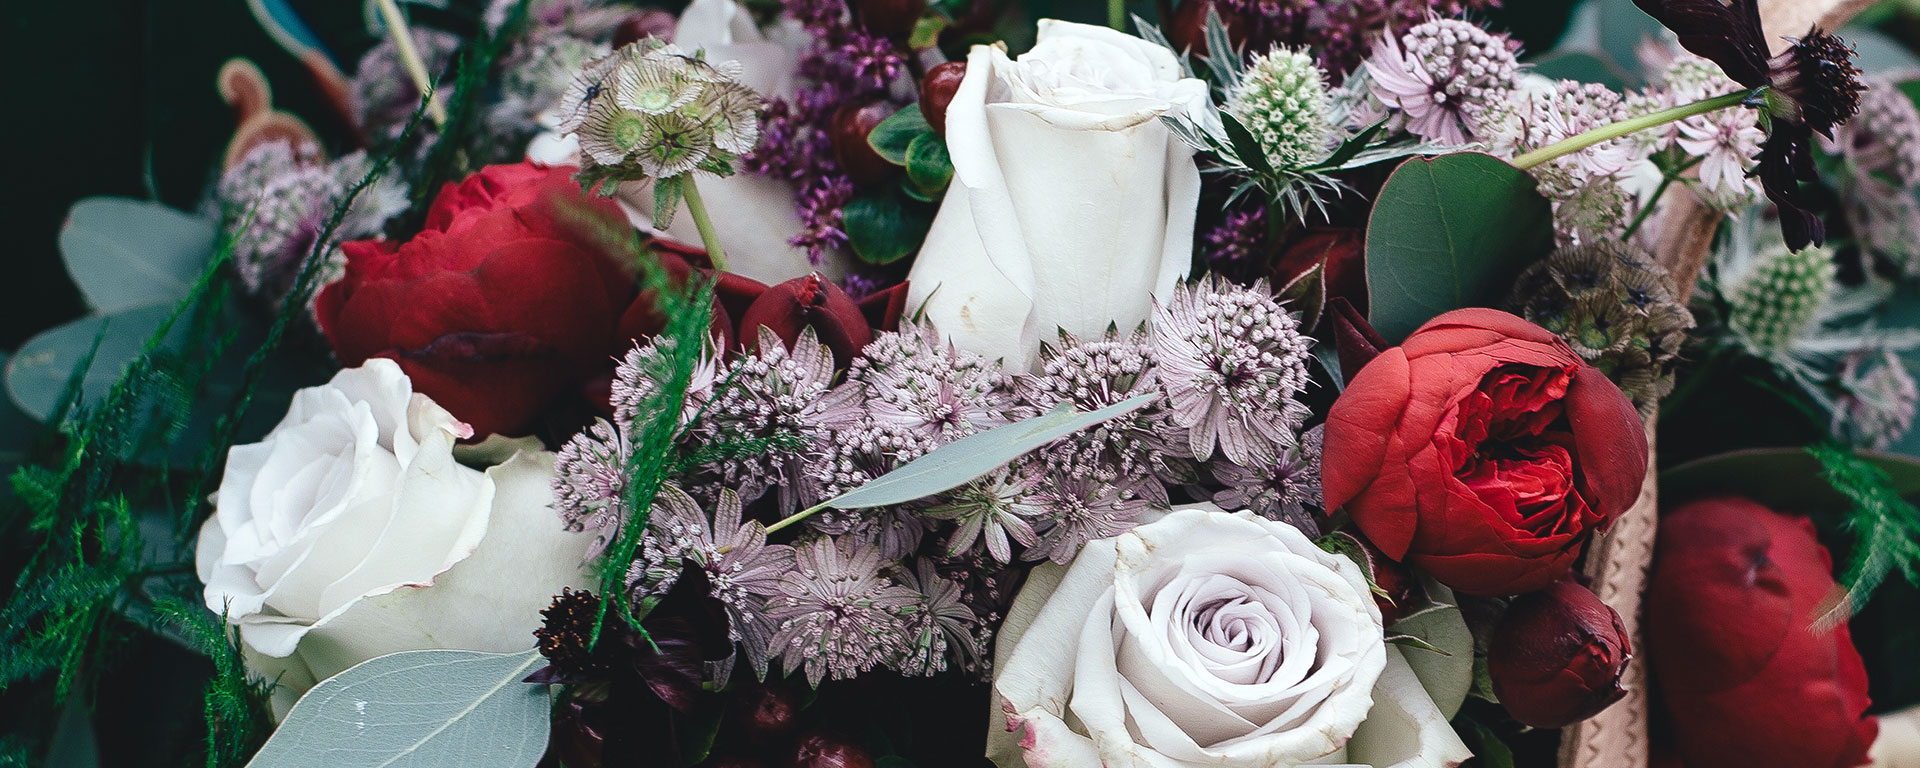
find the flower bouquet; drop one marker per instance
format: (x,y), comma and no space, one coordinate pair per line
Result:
(901,383)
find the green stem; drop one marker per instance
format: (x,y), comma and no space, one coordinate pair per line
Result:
(1117,14)
(1666,180)
(1616,130)
(698,208)
(794,518)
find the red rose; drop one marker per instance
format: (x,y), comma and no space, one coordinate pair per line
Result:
(1484,451)
(510,298)
(1746,679)
(1557,655)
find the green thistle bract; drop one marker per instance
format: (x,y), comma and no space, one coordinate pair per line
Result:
(1283,103)
(1780,297)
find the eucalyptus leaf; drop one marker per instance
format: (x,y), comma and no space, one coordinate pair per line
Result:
(1786,479)
(418,709)
(1446,675)
(16,430)
(126,253)
(1448,232)
(961,461)
(882,229)
(928,165)
(37,373)
(894,135)
(74,743)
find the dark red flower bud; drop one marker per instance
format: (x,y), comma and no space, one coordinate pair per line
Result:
(642,24)
(852,123)
(809,302)
(577,737)
(736,761)
(766,714)
(1557,656)
(1339,252)
(936,92)
(891,19)
(1189,28)
(821,750)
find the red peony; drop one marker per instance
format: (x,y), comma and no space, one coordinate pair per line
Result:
(1746,680)
(508,300)
(1484,451)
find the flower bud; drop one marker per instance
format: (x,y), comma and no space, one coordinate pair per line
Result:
(820,750)
(1188,32)
(1557,656)
(766,714)
(891,19)
(805,302)
(936,92)
(852,123)
(642,24)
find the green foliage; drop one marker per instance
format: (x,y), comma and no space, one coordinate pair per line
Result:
(883,229)
(1885,527)
(236,705)
(1448,232)
(459,146)
(894,136)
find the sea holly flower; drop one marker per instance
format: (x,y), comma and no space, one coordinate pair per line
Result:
(1282,100)
(1808,89)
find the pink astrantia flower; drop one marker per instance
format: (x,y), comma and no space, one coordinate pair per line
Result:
(838,615)
(1232,361)
(1439,74)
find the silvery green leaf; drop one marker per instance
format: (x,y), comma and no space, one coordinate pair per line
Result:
(1222,56)
(418,709)
(1440,626)
(126,253)
(961,461)
(38,372)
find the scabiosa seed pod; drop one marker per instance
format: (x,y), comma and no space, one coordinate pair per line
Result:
(1557,656)
(651,110)
(1282,101)
(1776,301)
(1616,307)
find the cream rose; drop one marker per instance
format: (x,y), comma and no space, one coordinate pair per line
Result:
(753,216)
(1072,204)
(1207,638)
(350,532)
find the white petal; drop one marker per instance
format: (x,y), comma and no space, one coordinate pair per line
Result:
(1405,729)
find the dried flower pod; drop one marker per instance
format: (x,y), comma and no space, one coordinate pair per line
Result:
(1616,308)
(1557,656)
(936,92)
(852,123)
(766,713)
(810,301)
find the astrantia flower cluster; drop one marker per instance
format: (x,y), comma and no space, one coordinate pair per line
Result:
(276,200)
(1439,75)
(1589,202)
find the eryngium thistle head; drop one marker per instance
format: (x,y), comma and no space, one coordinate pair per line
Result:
(1282,100)
(1780,297)
(1232,361)
(1615,307)
(650,110)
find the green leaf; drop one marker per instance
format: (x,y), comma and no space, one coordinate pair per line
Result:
(882,229)
(894,135)
(928,165)
(1245,145)
(418,709)
(666,201)
(74,744)
(1579,66)
(16,430)
(1448,232)
(1447,675)
(1487,745)
(1786,479)
(126,253)
(926,31)
(37,374)
(961,461)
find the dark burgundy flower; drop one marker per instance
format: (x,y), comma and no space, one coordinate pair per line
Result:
(1809,88)
(1557,656)
(811,301)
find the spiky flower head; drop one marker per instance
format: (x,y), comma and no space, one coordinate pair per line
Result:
(743,571)
(757,426)
(1091,374)
(991,513)
(1616,307)
(566,636)
(1779,297)
(275,201)
(912,380)
(590,483)
(1282,101)
(1233,362)
(1877,401)
(650,110)
(838,615)
(640,372)
(1280,489)
(1440,73)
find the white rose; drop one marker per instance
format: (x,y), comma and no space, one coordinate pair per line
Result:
(350,532)
(1207,638)
(1072,204)
(753,216)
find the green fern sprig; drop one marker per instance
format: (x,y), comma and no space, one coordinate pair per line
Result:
(1886,531)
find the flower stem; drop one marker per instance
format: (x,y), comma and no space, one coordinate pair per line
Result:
(1666,180)
(698,208)
(1613,131)
(1117,14)
(410,56)
(794,518)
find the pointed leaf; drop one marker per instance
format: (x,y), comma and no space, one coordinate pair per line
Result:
(1448,232)
(418,709)
(928,165)
(126,253)
(961,461)
(666,201)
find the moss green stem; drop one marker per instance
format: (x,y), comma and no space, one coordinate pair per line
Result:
(1613,131)
(410,57)
(1117,14)
(698,208)
(1666,180)
(794,518)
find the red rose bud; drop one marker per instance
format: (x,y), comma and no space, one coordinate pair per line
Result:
(1746,677)
(891,19)
(1483,451)
(936,92)
(642,24)
(1557,656)
(852,124)
(809,302)
(1338,250)
(820,750)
